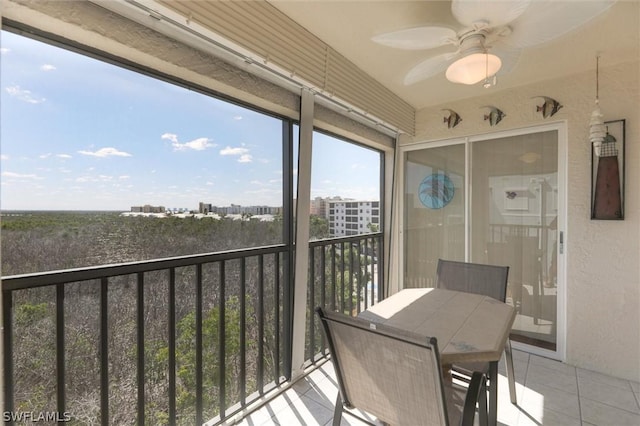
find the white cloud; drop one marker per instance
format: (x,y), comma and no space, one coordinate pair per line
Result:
(106,152)
(43,156)
(24,95)
(4,50)
(242,153)
(4,157)
(47,67)
(123,177)
(233,151)
(64,156)
(19,175)
(99,178)
(199,144)
(170,136)
(237,118)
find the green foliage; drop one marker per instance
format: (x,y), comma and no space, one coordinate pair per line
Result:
(44,241)
(186,356)
(28,314)
(318,227)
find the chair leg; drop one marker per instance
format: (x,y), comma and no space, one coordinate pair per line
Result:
(337,413)
(510,373)
(493,393)
(482,406)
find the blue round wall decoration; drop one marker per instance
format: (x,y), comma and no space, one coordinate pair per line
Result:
(436,191)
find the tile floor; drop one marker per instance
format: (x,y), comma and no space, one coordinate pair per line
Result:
(549,393)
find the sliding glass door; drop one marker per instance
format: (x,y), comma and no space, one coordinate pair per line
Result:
(491,200)
(434,211)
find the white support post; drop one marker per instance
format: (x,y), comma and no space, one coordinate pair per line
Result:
(302,233)
(1,310)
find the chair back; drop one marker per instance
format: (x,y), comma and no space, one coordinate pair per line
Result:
(488,280)
(390,373)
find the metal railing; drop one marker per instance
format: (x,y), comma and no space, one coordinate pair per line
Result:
(179,340)
(345,275)
(175,341)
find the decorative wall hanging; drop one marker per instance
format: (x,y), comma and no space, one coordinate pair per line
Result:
(549,107)
(436,191)
(495,115)
(607,174)
(453,119)
(607,162)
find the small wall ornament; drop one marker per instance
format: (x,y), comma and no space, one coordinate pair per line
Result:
(453,119)
(495,115)
(549,107)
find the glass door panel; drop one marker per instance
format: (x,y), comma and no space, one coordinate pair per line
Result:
(506,215)
(434,211)
(513,211)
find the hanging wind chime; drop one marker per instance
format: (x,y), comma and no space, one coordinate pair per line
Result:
(607,202)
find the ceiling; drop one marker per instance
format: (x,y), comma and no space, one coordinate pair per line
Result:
(348,27)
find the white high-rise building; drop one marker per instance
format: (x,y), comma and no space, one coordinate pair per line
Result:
(351,217)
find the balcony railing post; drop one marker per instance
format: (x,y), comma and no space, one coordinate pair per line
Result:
(140,344)
(323,280)
(60,364)
(287,314)
(7,323)
(104,351)
(222,339)
(172,345)
(333,277)
(198,339)
(312,301)
(260,325)
(243,331)
(276,314)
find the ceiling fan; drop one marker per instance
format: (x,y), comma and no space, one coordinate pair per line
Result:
(490,36)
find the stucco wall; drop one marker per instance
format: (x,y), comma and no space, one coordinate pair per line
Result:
(602,257)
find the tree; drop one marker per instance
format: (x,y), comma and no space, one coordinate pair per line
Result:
(318,227)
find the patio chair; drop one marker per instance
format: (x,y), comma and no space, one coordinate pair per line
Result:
(396,375)
(487,280)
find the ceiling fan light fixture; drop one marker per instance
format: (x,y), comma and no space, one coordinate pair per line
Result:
(473,68)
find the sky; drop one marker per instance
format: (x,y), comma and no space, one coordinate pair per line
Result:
(80,134)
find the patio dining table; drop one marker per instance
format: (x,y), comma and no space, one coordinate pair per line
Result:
(468,327)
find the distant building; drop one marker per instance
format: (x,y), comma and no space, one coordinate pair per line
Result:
(236,209)
(205,208)
(351,217)
(148,209)
(320,206)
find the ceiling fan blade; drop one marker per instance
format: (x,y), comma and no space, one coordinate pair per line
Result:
(509,57)
(547,20)
(494,13)
(417,38)
(429,68)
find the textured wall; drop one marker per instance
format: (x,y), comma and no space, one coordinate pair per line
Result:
(602,257)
